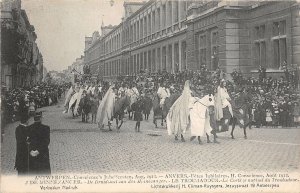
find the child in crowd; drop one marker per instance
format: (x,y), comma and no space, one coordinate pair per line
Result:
(296,114)
(269,117)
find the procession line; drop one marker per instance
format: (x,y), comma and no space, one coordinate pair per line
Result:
(269,142)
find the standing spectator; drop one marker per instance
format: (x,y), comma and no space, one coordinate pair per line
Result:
(269,117)
(22,154)
(296,113)
(39,139)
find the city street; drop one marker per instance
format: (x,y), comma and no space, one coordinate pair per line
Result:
(83,148)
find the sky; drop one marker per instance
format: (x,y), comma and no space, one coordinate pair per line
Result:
(62,25)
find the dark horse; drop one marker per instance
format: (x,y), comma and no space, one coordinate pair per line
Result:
(161,113)
(119,108)
(85,107)
(240,115)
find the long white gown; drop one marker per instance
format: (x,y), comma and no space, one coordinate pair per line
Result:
(68,96)
(72,100)
(199,117)
(106,108)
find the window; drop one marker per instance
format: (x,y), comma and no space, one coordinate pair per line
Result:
(169,19)
(164,58)
(259,46)
(175,11)
(184,9)
(149,61)
(279,44)
(153,22)
(141,62)
(141,26)
(202,49)
(158,19)
(153,69)
(158,59)
(149,24)
(145,26)
(183,55)
(170,56)
(164,16)
(145,60)
(176,57)
(214,50)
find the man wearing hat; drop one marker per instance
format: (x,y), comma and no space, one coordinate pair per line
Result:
(22,135)
(39,139)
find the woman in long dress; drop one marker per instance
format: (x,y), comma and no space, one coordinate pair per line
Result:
(106,108)
(178,116)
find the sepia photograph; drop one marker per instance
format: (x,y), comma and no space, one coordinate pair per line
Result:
(150,96)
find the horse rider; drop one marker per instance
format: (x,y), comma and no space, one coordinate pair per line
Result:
(222,102)
(163,93)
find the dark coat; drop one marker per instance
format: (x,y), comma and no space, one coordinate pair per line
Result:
(138,108)
(21,162)
(39,139)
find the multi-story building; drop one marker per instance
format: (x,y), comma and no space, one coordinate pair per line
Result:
(243,35)
(20,56)
(166,35)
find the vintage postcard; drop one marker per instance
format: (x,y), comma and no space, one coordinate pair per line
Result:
(150,96)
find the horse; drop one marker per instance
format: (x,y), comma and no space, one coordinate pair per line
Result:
(85,107)
(132,100)
(161,113)
(240,114)
(119,108)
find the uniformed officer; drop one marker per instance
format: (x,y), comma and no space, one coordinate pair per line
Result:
(22,154)
(39,138)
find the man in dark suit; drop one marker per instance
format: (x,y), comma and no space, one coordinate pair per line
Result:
(39,138)
(22,153)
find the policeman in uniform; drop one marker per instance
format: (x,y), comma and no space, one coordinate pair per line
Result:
(39,139)
(22,154)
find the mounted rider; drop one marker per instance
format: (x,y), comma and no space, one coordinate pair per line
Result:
(223,111)
(163,92)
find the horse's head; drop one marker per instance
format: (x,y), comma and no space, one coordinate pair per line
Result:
(208,100)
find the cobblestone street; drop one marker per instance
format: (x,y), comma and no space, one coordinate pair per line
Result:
(83,148)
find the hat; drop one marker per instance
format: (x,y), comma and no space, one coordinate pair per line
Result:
(38,116)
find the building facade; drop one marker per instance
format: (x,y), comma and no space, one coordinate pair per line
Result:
(243,35)
(21,60)
(165,35)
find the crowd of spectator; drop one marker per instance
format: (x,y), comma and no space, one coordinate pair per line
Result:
(25,101)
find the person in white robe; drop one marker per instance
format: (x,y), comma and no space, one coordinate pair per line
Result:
(68,98)
(163,93)
(78,100)
(133,93)
(222,100)
(106,108)
(73,99)
(178,115)
(200,118)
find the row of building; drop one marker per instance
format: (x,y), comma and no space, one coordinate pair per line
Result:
(168,35)
(21,60)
